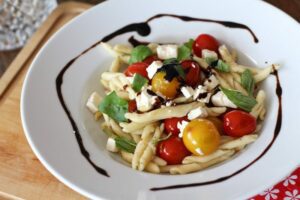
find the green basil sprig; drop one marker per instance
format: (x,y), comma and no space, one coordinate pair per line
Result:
(139,53)
(125,144)
(247,81)
(114,106)
(244,102)
(185,51)
(138,82)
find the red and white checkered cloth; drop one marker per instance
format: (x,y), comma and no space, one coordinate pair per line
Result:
(288,189)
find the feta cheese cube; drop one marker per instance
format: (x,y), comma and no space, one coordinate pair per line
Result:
(197,112)
(152,69)
(209,54)
(167,51)
(220,99)
(187,91)
(111,145)
(199,90)
(211,82)
(181,127)
(145,101)
(93,102)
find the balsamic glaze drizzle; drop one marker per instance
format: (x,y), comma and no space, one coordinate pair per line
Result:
(144,29)
(276,133)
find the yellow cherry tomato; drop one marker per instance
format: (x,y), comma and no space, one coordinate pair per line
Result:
(161,86)
(201,137)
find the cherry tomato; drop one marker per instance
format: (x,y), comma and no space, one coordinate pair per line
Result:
(192,69)
(171,124)
(205,41)
(238,123)
(139,68)
(132,106)
(150,59)
(201,137)
(172,150)
(162,86)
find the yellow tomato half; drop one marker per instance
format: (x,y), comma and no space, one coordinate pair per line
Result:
(201,137)
(161,86)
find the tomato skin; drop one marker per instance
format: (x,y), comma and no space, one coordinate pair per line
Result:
(171,125)
(162,86)
(205,41)
(238,123)
(150,59)
(201,137)
(139,68)
(132,106)
(172,150)
(193,76)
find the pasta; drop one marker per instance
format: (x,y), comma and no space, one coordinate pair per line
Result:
(158,111)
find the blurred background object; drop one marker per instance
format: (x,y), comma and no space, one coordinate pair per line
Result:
(20,18)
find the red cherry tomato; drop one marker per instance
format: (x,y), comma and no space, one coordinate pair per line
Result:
(132,106)
(205,41)
(192,69)
(238,123)
(150,59)
(172,150)
(139,68)
(171,125)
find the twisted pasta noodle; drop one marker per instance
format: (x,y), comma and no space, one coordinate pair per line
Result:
(222,81)
(115,65)
(203,64)
(163,113)
(150,150)
(183,99)
(203,159)
(132,126)
(151,167)
(122,49)
(225,139)
(259,107)
(123,95)
(230,80)
(264,73)
(117,129)
(141,146)
(136,137)
(215,111)
(125,58)
(159,161)
(242,141)
(105,83)
(234,55)
(108,48)
(193,167)
(153,47)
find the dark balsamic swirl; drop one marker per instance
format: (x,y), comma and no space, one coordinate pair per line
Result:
(143,29)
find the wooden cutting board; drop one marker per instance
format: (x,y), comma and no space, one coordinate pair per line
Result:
(22,176)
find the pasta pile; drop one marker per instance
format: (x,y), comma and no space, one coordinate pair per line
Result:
(136,136)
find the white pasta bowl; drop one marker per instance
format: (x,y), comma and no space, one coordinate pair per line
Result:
(61,149)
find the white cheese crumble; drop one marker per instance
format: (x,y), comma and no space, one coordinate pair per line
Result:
(197,112)
(145,101)
(209,54)
(111,145)
(187,91)
(93,102)
(220,99)
(181,126)
(211,82)
(167,51)
(199,90)
(152,69)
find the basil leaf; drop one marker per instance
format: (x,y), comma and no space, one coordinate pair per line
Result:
(189,44)
(180,71)
(247,81)
(244,102)
(156,141)
(125,144)
(139,54)
(114,106)
(138,82)
(185,51)
(222,66)
(171,61)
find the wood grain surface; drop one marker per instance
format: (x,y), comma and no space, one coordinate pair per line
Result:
(22,176)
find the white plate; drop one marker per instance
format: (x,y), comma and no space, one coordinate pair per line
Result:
(52,138)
